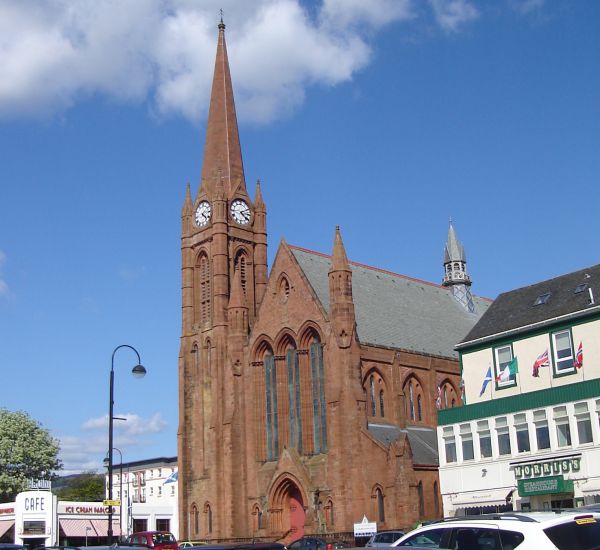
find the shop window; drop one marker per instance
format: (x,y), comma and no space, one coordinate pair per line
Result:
(466,438)
(503,436)
(485,438)
(542,433)
(522,429)
(584,423)
(449,444)
(563,429)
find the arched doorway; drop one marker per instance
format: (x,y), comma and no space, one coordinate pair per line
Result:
(288,509)
(297,514)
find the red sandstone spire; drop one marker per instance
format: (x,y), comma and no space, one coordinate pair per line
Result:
(339,260)
(222,149)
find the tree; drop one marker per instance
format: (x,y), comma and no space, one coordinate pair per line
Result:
(85,487)
(27,451)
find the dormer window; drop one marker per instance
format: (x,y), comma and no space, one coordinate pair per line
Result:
(580,288)
(542,299)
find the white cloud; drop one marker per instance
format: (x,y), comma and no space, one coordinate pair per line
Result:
(451,14)
(55,52)
(132,425)
(527,6)
(3,284)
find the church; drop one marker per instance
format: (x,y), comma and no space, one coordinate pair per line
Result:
(308,395)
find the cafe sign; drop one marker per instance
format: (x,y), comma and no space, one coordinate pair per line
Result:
(548,468)
(544,486)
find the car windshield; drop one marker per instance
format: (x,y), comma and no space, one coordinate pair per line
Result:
(162,538)
(581,534)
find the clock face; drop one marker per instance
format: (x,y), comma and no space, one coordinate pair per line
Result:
(240,212)
(203,214)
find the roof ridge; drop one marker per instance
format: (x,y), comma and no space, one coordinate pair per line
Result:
(386,271)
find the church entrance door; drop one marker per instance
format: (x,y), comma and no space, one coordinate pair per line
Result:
(297,514)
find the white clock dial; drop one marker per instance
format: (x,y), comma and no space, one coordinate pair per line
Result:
(240,212)
(203,214)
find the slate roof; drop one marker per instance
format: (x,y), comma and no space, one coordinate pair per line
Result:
(423,441)
(515,309)
(394,310)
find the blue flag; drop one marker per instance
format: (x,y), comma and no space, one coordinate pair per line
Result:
(486,380)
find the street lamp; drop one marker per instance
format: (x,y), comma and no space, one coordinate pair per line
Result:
(138,372)
(120,485)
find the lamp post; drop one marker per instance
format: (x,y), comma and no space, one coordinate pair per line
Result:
(86,534)
(138,372)
(120,485)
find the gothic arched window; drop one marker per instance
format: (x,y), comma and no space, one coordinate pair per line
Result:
(381,404)
(411,401)
(372,387)
(202,306)
(294,397)
(209,518)
(329,514)
(240,263)
(195,519)
(271,418)
(318,396)
(380,505)
(419,408)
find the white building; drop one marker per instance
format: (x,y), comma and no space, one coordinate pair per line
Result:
(529,435)
(147,490)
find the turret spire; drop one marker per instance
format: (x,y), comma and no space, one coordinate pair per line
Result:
(222,150)
(455,270)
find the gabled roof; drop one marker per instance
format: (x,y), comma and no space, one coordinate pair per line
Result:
(394,310)
(515,310)
(423,440)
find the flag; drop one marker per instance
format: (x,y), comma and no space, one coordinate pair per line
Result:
(579,357)
(438,398)
(510,369)
(541,361)
(172,478)
(486,380)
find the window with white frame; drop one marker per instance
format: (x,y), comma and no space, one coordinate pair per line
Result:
(503,436)
(522,431)
(563,351)
(449,444)
(542,433)
(504,356)
(466,437)
(584,423)
(485,438)
(563,430)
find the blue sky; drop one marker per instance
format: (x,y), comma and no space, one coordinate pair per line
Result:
(386,117)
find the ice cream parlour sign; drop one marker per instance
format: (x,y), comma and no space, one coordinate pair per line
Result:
(548,467)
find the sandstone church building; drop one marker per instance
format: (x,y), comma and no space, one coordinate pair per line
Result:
(307,395)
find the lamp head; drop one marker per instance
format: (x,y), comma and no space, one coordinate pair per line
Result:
(139,371)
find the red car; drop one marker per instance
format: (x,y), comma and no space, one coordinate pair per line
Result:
(160,540)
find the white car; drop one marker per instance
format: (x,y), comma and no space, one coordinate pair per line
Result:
(564,530)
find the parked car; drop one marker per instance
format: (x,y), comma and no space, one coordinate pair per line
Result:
(563,530)
(308,543)
(191,543)
(159,540)
(384,538)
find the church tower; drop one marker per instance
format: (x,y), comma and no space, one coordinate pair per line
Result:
(224,276)
(455,271)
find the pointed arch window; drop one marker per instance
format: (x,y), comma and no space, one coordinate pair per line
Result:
(294,397)
(419,408)
(203,289)
(240,263)
(380,505)
(196,358)
(372,388)
(195,519)
(411,401)
(209,518)
(329,514)
(421,499)
(271,418)
(445,393)
(381,404)
(318,396)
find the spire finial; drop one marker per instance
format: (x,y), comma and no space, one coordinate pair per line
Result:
(221,24)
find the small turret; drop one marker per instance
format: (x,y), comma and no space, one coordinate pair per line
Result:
(455,271)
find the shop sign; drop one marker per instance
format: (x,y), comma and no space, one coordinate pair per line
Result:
(544,486)
(548,468)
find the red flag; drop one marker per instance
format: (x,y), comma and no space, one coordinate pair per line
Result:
(541,361)
(579,357)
